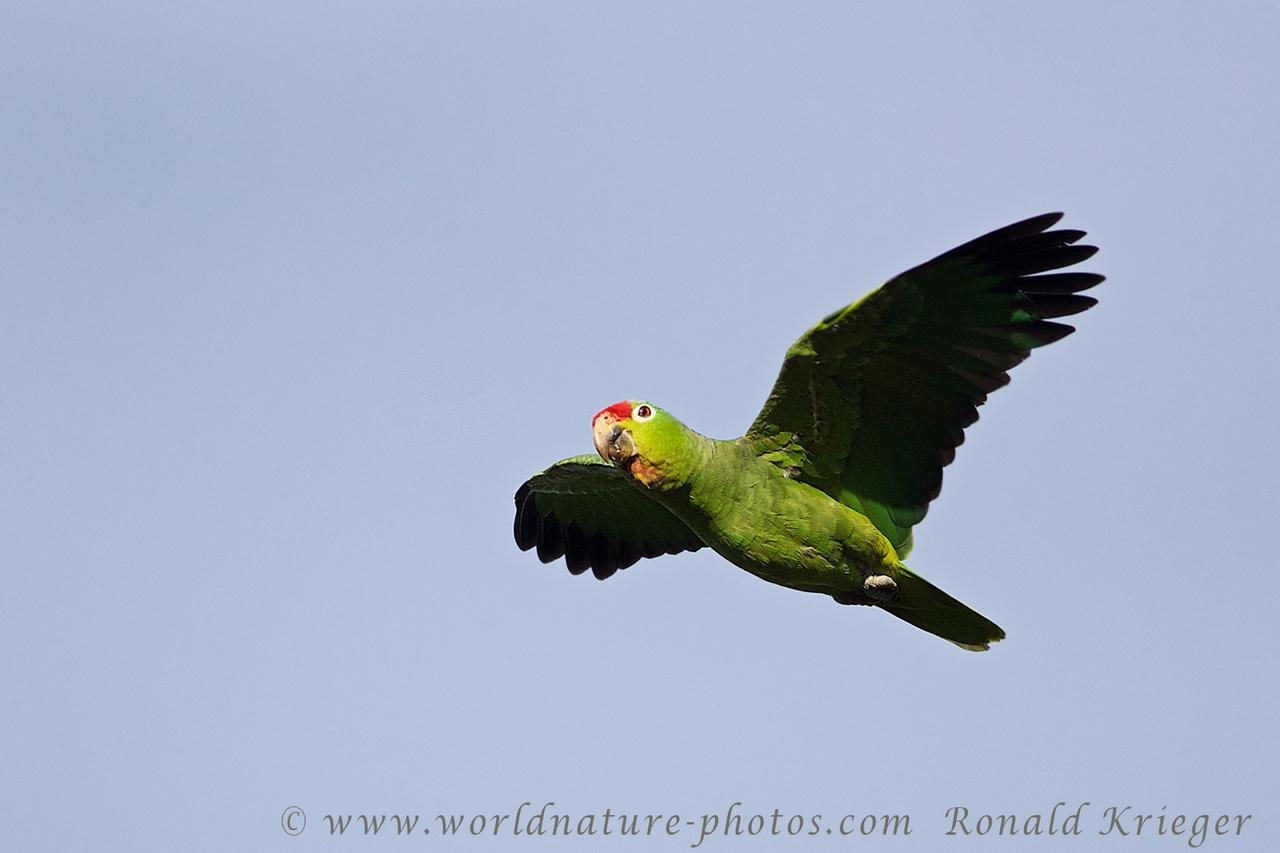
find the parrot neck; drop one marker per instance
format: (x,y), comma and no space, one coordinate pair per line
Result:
(710,482)
(672,467)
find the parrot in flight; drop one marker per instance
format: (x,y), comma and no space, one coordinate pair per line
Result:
(822,492)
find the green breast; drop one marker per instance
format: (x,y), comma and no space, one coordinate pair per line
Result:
(780,529)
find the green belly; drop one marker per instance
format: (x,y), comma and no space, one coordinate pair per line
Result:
(786,532)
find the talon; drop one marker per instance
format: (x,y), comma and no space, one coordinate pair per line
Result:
(880,587)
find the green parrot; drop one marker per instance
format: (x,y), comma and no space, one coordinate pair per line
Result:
(823,491)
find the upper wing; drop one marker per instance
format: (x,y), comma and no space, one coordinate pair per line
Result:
(872,402)
(585,510)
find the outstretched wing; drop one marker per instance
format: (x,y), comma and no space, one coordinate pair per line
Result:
(872,402)
(585,510)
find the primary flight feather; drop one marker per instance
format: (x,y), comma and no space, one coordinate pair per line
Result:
(822,492)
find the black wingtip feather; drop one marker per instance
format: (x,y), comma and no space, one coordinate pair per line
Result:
(604,559)
(550,539)
(1044,260)
(986,383)
(651,549)
(1039,332)
(526,524)
(628,553)
(1061,282)
(1023,228)
(1061,305)
(1046,331)
(1067,236)
(577,549)
(1002,252)
(1004,360)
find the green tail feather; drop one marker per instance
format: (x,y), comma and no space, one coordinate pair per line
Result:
(925,606)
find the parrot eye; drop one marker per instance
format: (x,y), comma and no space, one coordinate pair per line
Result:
(643,413)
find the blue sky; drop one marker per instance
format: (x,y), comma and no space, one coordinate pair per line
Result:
(296,297)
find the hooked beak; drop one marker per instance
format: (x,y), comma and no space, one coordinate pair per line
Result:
(613,443)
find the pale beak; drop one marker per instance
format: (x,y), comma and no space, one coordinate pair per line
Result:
(613,443)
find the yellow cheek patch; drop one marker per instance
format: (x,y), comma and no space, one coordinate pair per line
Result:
(647,474)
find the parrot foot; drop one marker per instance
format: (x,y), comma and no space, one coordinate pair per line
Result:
(880,587)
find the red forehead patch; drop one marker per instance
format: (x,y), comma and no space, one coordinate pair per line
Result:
(620,410)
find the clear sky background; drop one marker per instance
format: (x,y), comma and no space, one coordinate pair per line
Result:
(295,297)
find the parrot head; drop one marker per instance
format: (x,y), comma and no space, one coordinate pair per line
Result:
(638,437)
